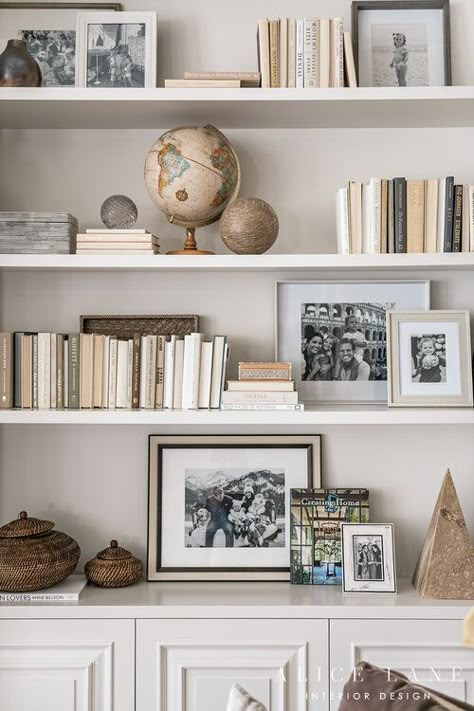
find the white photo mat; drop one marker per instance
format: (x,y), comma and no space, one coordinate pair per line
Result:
(350,533)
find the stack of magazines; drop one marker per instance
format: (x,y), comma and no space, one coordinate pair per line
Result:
(262,386)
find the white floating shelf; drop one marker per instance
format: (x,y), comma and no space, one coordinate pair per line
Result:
(238,263)
(317,417)
(65,108)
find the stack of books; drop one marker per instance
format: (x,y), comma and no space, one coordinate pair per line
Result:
(74,371)
(309,53)
(401,215)
(262,386)
(216,80)
(69,590)
(104,241)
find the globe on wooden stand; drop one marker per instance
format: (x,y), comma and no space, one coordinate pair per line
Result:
(192,174)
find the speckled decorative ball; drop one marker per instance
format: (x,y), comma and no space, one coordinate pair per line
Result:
(249,226)
(119,212)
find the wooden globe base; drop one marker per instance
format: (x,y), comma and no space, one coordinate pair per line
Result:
(190,246)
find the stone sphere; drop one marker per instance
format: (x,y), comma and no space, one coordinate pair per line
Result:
(249,226)
(119,212)
(192,174)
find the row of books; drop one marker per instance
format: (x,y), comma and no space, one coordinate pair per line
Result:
(307,53)
(262,386)
(402,215)
(123,241)
(73,371)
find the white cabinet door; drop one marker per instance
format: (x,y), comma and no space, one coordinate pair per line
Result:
(67,665)
(428,651)
(190,665)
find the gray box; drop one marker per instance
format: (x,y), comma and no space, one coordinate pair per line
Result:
(38,233)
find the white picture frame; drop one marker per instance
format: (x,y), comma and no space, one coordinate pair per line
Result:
(119,54)
(368,558)
(429,359)
(292,299)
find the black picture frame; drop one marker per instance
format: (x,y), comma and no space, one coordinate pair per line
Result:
(156,572)
(363,5)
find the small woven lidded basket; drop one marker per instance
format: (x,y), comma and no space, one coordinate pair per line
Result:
(114,567)
(34,556)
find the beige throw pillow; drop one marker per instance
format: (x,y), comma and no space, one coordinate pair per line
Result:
(240,700)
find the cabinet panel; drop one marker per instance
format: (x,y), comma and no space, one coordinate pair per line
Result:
(429,652)
(190,665)
(67,665)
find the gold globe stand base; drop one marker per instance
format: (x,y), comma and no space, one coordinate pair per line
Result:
(190,246)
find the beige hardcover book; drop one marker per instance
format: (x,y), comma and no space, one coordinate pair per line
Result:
(431,216)
(465,233)
(140,252)
(160,371)
(264,51)
(117,246)
(336,52)
(415,215)
(311,52)
(274,32)
(122,374)
(112,388)
(265,371)
(6,370)
(291,53)
(247,79)
(284,52)
(325,54)
(26,367)
(54,370)
(87,369)
(351,75)
(44,371)
(105,372)
(202,84)
(98,370)
(117,236)
(355,193)
(261,385)
(384,217)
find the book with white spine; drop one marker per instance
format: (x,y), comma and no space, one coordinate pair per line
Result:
(263,406)
(311,52)
(264,51)
(441,214)
(68,590)
(54,371)
(207,348)
(284,52)
(337,52)
(349,61)
(143,367)
(121,231)
(431,216)
(105,371)
(471,217)
(218,370)
(129,373)
(44,371)
(291,52)
(375,215)
(178,374)
(113,356)
(150,373)
(366,217)
(324,54)
(169,373)
(235,398)
(191,371)
(122,374)
(343,222)
(276,386)
(299,54)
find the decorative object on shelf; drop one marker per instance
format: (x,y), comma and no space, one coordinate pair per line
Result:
(402,45)
(37,233)
(119,212)
(17,66)
(368,558)
(119,54)
(429,359)
(114,567)
(445,568)
(49,30)
(192,174)
(214,500)
(249,226)
(334,333)
(317,515)
(33,555)
(146,324)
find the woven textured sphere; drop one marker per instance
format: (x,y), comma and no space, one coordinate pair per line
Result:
(249,226)
(119,212)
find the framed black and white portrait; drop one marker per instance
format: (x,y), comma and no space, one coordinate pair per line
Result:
(219,506)
(334,334)
(402,43)
(368,558)
(430,359)
(118,52)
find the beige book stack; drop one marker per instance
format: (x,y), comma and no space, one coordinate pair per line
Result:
(215,80)
(103,241)
(262,386)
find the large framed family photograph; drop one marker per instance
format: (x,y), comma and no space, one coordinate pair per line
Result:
(335,335)
(219,506)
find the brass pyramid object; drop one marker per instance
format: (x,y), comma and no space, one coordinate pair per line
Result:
(445,568)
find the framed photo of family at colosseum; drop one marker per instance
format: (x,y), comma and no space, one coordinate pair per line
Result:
(219,506)
(430,359)
(335,335)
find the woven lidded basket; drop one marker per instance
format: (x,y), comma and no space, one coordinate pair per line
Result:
(34,556)
(114,567)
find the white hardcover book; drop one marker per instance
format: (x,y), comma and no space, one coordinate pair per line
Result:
(217,375)
(465,231)
(471,217)
(169,373)
(261,385)
(431,216)
(122,374)
(191,371)
(86,365)
(44,371)
(54,370)
(68,590)
(264,51)
(207,348)
(311,52)
(236,398)
(113,355)
(121,231)
(66,372)
(178,383)
(337,53)
(150,374)
(375,215)
(342,222)
(263,406)
(129,373)
(105,372)
(441,214)
(324,54)
(291,52)
(299,54)
(366,213)
(143,369)
(349,61)
(284,52)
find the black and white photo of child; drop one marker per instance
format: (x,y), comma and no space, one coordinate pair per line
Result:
(234,508)
(368,557)
(116,55)
(400,55)
(55,53)
(428,357)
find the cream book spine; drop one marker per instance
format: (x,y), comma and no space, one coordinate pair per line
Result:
(130,374)
(236,398)
(355,203)
(465,231)
(431,216)
(117,246)
(207,348)
(274,30)
(105,372)
(264,51)
(202,83)
(44,371)
(138,238)
(169,373)
(325,54)
(342,221)
(291,53)
(140,252)
(366,217)
(160,372)
(27,372)
(86,369)
(247,79)
(375,215)
(441,215)
(191,371)
(218,370)
(269,406)
(150,375)
(143,368)
(113,360)
(53,378)
(97,372)
(122,374)
(299,54)
(311,52)
(337,52)
(283,52)
(415,216)
(351,75)
(178,385)
(122,231)
(275,386)
(384,216)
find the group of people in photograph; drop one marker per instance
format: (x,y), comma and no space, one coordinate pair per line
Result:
(369,561)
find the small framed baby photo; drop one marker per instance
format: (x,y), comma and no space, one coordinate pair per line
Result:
(402,43)
(368,558)
(116,51)
(429,361)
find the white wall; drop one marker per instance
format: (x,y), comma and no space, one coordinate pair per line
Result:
(92,480)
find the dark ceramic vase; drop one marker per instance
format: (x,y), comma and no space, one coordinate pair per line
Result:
(17,66)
